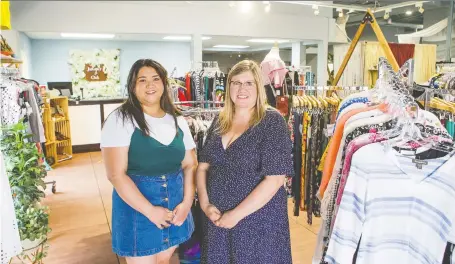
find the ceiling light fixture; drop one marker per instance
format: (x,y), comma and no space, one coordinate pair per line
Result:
(245,6)
(183,38)
(340,12)
(266,2)
(231,4)
(387,14)
(409,12)
(87,35)
(231,46)
(315,7)
(316,12)
(268,40)
(267,8)
(420,7)
(177,38)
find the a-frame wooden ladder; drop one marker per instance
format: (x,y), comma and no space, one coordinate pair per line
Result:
(368,18)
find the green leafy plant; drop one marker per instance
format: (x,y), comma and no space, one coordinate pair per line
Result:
(26,178)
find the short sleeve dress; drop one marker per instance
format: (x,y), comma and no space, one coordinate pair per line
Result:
(262,237)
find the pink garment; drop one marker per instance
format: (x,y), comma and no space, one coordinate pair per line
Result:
(273,71)
(353,146)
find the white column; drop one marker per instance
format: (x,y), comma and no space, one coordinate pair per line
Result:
(323,51)
(196,50)
(303,55)
(296,54)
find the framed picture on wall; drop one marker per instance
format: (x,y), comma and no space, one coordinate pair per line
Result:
(95,73)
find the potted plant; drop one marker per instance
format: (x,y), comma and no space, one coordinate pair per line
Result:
(26,178)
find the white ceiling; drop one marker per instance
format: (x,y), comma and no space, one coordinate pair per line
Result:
(206,44)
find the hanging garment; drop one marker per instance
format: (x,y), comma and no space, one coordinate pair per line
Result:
(9,107)
(188,87)
(399,210)
(402,52)
(10,242)
(273,68)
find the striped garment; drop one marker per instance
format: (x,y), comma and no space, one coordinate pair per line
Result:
(396,212)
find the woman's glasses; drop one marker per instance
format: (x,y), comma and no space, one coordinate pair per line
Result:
(247,85)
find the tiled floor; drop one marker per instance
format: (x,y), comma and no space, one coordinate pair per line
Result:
(81,212)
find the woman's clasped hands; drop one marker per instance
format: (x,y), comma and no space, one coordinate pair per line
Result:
(226,220)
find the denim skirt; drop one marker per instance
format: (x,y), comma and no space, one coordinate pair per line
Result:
(133,234)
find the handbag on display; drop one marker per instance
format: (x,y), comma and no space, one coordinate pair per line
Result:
(282,101)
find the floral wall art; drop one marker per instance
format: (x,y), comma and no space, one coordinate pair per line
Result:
(95,73)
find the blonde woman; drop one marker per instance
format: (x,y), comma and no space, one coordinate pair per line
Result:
(240,177)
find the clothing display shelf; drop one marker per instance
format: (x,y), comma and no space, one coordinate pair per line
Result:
(57,130)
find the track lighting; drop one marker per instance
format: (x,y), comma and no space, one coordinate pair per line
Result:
(387,14)
(420,7)
(340,12)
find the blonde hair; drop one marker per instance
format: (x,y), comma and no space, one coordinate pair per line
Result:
(227,113)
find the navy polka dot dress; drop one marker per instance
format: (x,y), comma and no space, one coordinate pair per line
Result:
(262,237)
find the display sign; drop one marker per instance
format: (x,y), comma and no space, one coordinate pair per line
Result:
(95,73)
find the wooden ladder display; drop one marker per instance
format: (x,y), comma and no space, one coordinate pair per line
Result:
(368,18)
(57,130)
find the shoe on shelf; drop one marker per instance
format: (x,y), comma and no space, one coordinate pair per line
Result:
(60,137)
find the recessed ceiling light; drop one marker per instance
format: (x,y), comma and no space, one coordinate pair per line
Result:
(268,40)
(87,35)
(183,38)
(409,12)
(177,38)
(231,46)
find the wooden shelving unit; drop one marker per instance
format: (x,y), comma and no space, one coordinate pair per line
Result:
(57,130)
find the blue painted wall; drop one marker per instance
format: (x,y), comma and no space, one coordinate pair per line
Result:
(50,57)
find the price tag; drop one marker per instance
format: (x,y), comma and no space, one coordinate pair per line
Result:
(330,128)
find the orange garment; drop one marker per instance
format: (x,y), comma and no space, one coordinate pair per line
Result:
(335,145)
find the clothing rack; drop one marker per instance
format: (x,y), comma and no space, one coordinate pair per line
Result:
(198,102)
(389,121)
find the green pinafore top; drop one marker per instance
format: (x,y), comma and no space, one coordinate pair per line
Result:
(149,157)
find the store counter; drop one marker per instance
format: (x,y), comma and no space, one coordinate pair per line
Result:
(86,119)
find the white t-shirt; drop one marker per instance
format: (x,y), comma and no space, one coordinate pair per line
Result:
(116,133)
